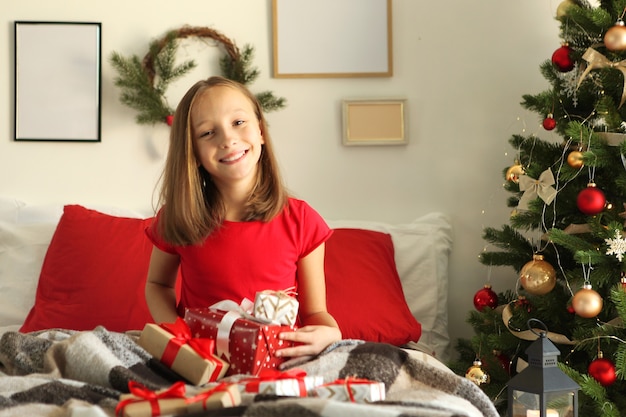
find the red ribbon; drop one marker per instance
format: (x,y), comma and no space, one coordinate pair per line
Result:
(182,335)
(142,393)
(204,396)
(252,384)
(347,383)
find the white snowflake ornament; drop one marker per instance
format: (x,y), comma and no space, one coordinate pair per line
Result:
(617,246)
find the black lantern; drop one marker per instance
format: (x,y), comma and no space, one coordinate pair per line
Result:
(542,389)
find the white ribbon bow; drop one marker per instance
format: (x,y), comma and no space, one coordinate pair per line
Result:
(533,188)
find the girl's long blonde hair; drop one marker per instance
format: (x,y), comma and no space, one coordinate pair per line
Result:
(193,207)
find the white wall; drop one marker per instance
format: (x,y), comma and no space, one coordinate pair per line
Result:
(463,66)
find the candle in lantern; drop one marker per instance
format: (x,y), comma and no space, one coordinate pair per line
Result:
(536,413)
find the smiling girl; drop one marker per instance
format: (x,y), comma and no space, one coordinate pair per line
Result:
(227,221)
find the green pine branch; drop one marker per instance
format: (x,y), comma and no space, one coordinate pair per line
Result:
(602,405)
(137,92)
(144,89)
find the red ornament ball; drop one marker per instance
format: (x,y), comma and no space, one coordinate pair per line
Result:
(485,297)
(603,371)
(549,123)
(591,200)
(169,119)
(504,361)
(562,59)
(523,303)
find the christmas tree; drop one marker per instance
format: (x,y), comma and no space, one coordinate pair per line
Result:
(565,235)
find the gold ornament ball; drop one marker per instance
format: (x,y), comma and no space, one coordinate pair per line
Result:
(538,277)
(562,8)
(575,159)
(587,303)
(476,374)
(615,37)
(513,173)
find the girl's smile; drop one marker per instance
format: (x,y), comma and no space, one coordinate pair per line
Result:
(233,158)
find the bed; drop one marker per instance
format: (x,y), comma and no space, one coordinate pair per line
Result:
(72,308)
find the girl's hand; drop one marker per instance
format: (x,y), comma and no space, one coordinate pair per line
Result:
(309,340)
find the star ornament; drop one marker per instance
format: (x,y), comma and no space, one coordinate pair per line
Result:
(617,246)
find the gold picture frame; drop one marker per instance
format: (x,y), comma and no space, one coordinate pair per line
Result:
(332,38)
(374,122)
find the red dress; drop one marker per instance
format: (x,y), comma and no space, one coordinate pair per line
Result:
(241,258)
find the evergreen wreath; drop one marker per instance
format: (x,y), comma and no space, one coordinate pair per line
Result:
(144,82)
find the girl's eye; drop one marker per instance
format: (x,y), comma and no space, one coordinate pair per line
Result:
(238,122)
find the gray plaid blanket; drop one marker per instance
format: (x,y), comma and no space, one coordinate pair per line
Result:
(68,373)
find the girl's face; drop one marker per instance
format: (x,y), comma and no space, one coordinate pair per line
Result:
(227,136)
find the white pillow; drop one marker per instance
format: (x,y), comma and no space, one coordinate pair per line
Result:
(9,208)
(422,250)
(51,213)
(22,250)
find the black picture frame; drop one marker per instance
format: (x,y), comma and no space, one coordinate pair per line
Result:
(57,81)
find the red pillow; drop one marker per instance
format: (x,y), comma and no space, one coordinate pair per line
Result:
(363,290)
(93,274)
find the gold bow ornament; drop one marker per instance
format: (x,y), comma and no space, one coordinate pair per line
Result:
(532,188)
(595,60)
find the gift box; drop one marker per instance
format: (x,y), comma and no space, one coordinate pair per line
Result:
(220,396)
(279,307)
(291,383)
(192,358)
(352,389)
(141,402)
(249,346)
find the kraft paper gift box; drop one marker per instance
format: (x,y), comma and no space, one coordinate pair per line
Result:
(353,390)
(279,307)
(291,383)
(141,402)
(221,396)
(248,346)
(192,358)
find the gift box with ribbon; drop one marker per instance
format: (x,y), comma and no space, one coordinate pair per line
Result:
(292,383)
(246,343)
(279,307)
(192,358)
(352,389)
(221,396)
(142,402)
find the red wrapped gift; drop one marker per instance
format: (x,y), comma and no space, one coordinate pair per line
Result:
(353,390)
(192,358)
(248,345)
(141,402)
(291,383)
